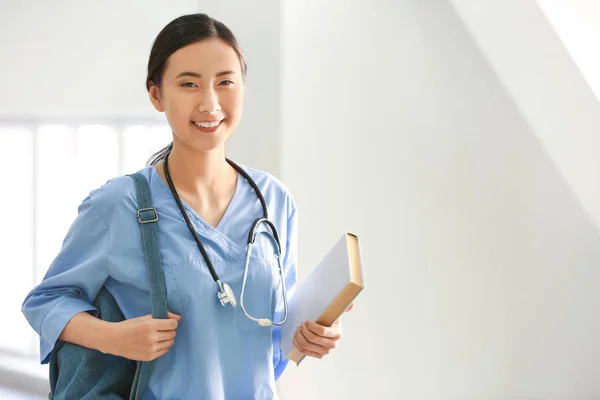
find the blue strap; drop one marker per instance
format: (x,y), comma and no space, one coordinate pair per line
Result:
(148,217)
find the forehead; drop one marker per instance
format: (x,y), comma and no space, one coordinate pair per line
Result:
(204,57)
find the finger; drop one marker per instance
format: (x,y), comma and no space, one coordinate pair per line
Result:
(313,338)
(163,345)
(161,353)
(166,324)
(306,352)
(350,307)
(329,332)
(165,335)
(307,345)
(173,315)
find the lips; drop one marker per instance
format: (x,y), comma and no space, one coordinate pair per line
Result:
(207,126)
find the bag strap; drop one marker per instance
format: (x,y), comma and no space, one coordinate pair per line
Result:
(147,216)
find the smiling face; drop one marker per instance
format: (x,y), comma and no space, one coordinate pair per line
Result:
(201,94)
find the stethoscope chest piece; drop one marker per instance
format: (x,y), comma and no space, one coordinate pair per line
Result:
(226,295)
(224,292)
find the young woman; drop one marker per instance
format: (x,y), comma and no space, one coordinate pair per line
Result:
(196,76)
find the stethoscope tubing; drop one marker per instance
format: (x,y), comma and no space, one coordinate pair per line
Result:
(222,295)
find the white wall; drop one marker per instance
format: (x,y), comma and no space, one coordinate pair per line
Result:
(541,77)
(80,57)
(482,265)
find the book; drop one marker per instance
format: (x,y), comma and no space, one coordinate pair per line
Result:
(326,293)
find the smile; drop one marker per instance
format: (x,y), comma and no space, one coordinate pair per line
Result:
(211,124)
(208,126)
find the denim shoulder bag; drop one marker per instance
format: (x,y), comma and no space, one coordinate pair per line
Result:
(80,373)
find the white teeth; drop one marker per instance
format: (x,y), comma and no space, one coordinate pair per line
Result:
(207,124)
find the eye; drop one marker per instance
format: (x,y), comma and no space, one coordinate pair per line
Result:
(226,83)
(188,85)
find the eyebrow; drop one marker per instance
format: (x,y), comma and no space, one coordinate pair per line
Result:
(197,75)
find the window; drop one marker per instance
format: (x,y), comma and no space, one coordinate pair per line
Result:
(49,168)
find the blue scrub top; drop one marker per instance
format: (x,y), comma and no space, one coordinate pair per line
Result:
(218,352)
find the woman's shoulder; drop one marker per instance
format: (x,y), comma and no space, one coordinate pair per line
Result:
(272,187)
(116,196)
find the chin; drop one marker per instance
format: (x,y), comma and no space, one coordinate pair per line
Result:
(204,142)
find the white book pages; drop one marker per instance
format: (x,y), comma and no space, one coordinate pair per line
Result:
(313,296)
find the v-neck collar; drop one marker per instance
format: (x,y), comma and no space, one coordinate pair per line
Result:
(192,212)
(236,251)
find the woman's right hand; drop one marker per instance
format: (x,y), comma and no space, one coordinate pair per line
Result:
(143,338)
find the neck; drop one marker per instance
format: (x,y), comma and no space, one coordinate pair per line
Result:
(199,174)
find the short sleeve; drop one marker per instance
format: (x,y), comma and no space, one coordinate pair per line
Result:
(73,279)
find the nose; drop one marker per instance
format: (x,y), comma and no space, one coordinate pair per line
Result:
(209,102)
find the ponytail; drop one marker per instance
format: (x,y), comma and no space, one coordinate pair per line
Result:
(159,155)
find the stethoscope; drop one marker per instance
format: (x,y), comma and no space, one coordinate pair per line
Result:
(225,293)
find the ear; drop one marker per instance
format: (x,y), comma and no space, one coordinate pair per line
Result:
(154,94)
